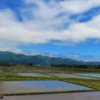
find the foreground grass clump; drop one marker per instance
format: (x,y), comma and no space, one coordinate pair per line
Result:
(1,96)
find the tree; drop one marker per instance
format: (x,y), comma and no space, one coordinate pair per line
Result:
(31,64)
(99,66)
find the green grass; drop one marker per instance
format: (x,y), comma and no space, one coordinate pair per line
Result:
(69,70)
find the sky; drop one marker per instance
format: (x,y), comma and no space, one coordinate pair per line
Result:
(55,28)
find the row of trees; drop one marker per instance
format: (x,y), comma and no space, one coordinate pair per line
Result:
(3,64)
(75,66)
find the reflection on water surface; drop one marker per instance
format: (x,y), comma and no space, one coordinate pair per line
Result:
(38,86)
(89,74)
(71,76)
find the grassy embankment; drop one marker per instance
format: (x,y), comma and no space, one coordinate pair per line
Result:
(26,67)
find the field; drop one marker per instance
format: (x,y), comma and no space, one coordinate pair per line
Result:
(10,74)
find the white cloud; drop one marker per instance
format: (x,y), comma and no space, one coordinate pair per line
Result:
(83,57)
(42,28)
(71,6)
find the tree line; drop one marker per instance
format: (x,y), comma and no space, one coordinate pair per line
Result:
(3,64)
(74,66)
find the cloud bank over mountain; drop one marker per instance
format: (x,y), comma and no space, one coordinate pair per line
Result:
(33,22)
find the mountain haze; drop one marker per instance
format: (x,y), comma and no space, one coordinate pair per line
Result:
(10,57)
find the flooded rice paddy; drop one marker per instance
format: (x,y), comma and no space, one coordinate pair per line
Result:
(71,76)
(57,75)
(4,71)
(89,74)
(43,71)
(20,70)
(38,86)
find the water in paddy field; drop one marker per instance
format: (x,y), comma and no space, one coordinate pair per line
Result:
(32,74)
(38,86)
(71,76)
(20,70)
(43,70)
(4,71)
(89,74)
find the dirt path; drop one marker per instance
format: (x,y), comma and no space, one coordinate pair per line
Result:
(61,96)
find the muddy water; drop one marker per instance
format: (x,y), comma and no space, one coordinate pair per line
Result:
(32,74)
(38,86)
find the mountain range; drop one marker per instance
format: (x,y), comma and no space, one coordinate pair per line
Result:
(10,57)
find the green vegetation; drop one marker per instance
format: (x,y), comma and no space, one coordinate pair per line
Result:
(33,68)
(73,66)
(8,57)
(99,66)
(92,83)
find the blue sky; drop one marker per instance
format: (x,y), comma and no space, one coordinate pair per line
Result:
(59,28)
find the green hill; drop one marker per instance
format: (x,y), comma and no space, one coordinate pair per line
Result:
(10,57)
